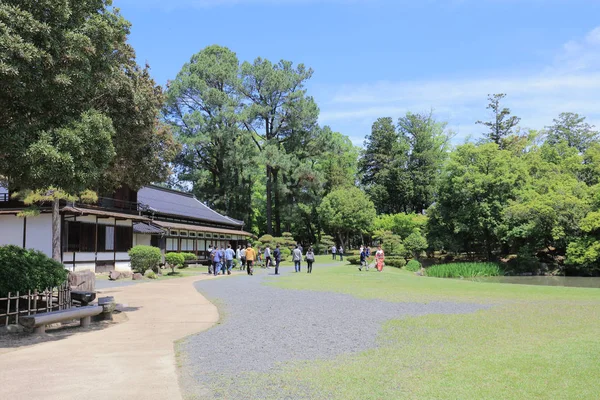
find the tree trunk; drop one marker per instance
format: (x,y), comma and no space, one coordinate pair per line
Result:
(269,201)
(56,230)
(277,203)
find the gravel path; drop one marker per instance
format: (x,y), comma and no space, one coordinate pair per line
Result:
(263,326)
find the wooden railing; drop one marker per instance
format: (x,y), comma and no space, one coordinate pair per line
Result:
(17,304)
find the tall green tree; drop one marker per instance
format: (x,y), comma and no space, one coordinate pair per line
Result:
(573,130)
(276,110)
(69,81)
(429,143)
(475,188)
(346,212)
(383,165)
(218,158)
(503,124)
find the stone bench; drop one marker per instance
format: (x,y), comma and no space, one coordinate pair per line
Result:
(38,322)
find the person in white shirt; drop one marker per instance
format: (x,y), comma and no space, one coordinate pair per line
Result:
(297,259)
(268,256)
(243,257)
(238,256)
(333,251)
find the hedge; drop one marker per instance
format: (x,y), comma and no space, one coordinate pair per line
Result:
(23,270)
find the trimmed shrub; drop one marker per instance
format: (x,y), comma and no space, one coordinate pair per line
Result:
(353,260)
(187,257)
(22,270)
(413,266)
(464,270)
(174,260)
(145,257)
(396,262)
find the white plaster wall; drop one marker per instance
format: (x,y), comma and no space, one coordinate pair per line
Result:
(88,218)
(139,239)
(123,267)
(106,256)
(11,230)
(39,233)
(84,257)
(127,222)
(85,267)
(122,256)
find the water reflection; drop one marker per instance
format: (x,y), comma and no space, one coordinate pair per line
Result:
(570,281)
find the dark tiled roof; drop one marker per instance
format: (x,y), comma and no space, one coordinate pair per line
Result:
(148,229)
(173,202)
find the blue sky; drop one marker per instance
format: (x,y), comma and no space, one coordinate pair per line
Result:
(379,58)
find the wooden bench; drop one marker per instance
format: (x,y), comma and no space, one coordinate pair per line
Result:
(38,322)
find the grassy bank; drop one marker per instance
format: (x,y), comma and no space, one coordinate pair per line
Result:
(532,342)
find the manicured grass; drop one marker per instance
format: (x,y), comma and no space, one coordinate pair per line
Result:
(464,270)
(533,342)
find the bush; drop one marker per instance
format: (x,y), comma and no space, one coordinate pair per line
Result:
(22,270)
(174,260)
(396,262)
(413,266)
(144,257)
(150,274)
(464,270)
(187,257)
(353,260)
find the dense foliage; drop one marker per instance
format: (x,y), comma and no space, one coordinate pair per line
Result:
(22,270)
(144,258)
(464,270)
(413,266)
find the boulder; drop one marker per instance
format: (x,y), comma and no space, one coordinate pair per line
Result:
(114,275)
(83,280)
(137,276)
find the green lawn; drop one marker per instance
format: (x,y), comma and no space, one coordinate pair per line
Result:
(534,342)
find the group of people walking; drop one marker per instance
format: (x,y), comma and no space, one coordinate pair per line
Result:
(365,253)
(222,261)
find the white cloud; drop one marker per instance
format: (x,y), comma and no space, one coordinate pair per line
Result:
(571,83)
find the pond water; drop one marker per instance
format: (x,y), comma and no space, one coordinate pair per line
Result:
(570,281)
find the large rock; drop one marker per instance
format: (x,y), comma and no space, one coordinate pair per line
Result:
(137,276)
(83,280)
(114,275)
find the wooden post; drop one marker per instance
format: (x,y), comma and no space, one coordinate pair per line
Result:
(18,301)
(7,310)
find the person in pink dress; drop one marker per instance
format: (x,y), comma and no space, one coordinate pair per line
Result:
(379,259)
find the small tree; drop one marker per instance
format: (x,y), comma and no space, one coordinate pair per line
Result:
(145,257)
(174,260)
(415,243)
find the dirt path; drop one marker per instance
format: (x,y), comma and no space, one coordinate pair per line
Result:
(132,360)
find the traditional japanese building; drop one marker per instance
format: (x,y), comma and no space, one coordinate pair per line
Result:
(97,237)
